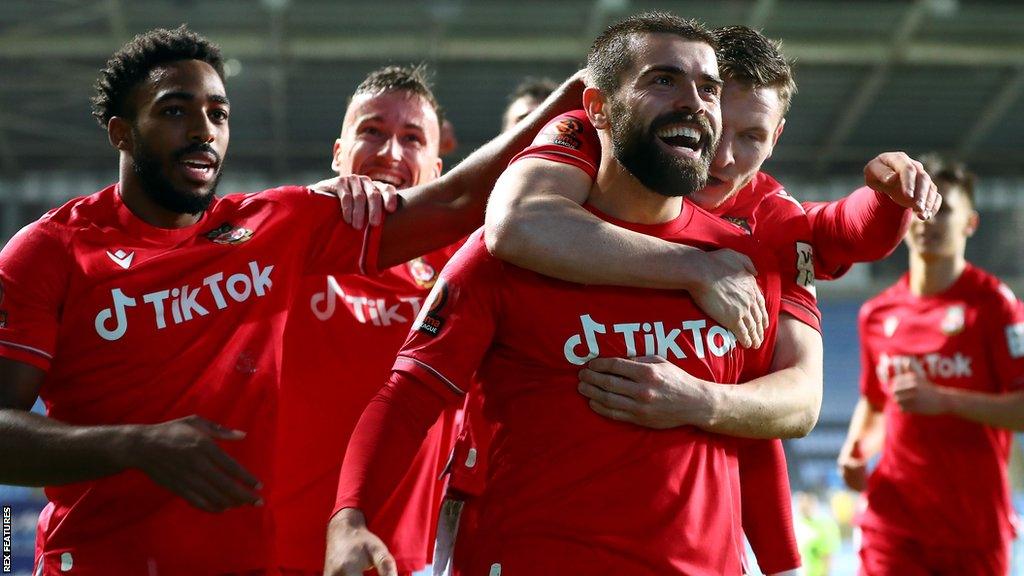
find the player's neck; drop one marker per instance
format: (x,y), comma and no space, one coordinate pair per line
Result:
(934,275)
(143,207)
(620,195)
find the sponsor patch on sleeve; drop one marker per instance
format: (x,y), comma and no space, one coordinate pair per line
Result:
(430,321)
(566,133)
(805,266)
(1015,340)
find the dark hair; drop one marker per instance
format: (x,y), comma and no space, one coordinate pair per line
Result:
(411,79)
(611,53)
(535,88)
(746,55)
(133,62)
(952,172)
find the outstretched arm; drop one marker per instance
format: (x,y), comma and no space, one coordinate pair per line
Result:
(447,209)
(868,224)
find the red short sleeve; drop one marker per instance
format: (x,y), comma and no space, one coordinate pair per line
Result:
(1006,326)
(34,271)
(783,226)
(568,139)
(455,327)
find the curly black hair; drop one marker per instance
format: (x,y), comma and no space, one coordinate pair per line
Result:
(129,65)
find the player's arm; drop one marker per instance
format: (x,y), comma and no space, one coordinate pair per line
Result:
(868,224)
(658,394)
(39,451)
(916,394)
(445,347)
(436,214)
(382,447)
(863,441)
(180,455)
(535,220)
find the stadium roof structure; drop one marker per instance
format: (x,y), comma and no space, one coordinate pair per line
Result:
(874,75)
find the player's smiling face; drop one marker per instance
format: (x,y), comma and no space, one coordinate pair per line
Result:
(179,134)
(391,137)
(751,125)
(665,118)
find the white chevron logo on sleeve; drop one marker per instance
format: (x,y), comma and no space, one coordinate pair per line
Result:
(121,258)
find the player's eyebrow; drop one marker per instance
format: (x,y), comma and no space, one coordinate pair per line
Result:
(189,96)
(669,69)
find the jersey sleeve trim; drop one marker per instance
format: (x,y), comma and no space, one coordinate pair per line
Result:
(557,153)
(800,311)
(27,354)
(419,367)
(370,250)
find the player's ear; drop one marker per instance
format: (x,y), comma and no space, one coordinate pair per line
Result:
(775,137)
(438,167)
(119,133)
(594,104)
(972,223)
(334,155)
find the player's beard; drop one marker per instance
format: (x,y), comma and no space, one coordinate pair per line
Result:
(635,147)
(157,186)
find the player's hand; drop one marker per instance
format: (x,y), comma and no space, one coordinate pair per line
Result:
(728,293)
(183,456)
(915,394)
(352,548)
(905,181)
(361,199)
(853,467)
(647,391)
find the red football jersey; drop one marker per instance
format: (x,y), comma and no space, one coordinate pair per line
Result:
(340,344)
(137,324)
(764,209)
(942,480)
(569,491)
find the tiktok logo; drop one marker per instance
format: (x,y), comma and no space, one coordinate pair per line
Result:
(657,341)
(120,303)
(590,331)
(184,301)
(367,310)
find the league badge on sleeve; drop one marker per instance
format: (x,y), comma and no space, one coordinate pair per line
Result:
(430,321)
(566,133)
(953,323)
(1015,340)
